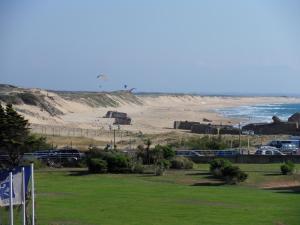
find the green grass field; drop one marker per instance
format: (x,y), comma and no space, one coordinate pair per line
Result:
(178,197)
(71,197)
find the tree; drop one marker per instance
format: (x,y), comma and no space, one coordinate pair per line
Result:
(165,151)
(15,137)
(148,144)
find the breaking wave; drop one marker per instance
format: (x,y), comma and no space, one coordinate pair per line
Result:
(260,113)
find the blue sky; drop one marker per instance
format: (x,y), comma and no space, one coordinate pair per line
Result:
(166,46)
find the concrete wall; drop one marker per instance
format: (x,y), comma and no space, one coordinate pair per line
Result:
(184,125)
(213,129)
(250,158)
(274,128)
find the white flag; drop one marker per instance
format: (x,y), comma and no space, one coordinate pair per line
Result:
(17,186)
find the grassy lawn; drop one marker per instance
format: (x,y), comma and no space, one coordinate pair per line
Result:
(178,197)
(71,197)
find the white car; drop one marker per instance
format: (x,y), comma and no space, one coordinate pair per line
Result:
(267,150)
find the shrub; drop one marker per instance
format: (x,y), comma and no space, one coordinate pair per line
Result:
(217,165)
(117,162)
(233,174)
(161,166)
(97,165)
(288,168)
(138,168)
(136,165)
(165,163)
(96,153)
(150,156)
(223,169)
(159,171)
(168,152)
(180,162)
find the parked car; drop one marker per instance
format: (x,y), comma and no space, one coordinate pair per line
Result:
(267,150)
(280,143)
(67,153)
(187,153)
(289,149)
(248,132)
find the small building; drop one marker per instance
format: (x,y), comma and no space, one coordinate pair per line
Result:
(122,121)
(120,117)
(115,114)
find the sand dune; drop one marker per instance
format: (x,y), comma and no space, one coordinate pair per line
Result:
(149,113)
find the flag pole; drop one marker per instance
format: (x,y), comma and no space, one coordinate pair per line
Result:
(32,195)
(23,196)
(11,208)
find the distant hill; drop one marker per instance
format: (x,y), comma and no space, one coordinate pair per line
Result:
(53,102)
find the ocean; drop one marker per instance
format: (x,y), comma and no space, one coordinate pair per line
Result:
(260,113)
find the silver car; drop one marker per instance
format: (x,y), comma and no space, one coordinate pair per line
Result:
(289,149)
(267,150)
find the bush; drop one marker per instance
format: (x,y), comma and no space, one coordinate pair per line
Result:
(136,165)
(117,162)
(217,165)
(138,168)
(222,168)
(161,166)
(159,171)
(180,162)
(288,168)
(168,152)
(97,165)
(150,156)
(96,153)
(233,174)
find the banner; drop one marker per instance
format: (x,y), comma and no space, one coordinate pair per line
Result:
(16,183)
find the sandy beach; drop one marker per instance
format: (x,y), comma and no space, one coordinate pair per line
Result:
(156,114)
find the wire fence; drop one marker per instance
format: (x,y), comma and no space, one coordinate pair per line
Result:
(52,130)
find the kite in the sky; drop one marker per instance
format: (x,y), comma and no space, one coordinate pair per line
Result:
(102,76)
